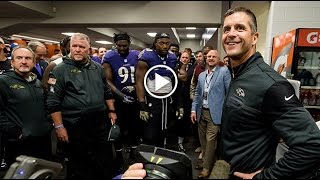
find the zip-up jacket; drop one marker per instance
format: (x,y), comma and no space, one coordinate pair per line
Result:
(259,109)
(77,89)
(22,106)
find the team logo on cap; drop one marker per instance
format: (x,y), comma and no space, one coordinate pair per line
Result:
(164,35)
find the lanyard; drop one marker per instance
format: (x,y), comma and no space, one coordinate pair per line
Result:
(206,81)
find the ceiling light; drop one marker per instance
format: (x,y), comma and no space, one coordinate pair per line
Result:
(36,39)
(103,42)
(206,36)
(191,28)
(68,33)
(211,30)
(152,34)
(191,35)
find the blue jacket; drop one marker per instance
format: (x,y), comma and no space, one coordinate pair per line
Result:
(217,91)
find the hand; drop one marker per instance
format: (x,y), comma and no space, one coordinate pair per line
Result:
(144,114)
(62,134)
(113,117)
(128,99)
(135,171)
(179,113)
(128,89)
(245,175)
(193,117)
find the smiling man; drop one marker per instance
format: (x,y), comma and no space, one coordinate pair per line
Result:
(258,111)
(206,108)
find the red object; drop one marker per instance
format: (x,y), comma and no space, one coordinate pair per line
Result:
(309,37)
(197,70)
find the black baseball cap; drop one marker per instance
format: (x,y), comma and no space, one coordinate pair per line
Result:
(114,133)
(161,35)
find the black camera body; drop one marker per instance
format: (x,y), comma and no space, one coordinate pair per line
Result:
(28,167)
(163,163)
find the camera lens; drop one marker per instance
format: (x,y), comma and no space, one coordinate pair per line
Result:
(161,163)
(158,172)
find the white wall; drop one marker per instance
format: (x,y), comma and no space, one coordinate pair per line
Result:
(288,15)
(193,44)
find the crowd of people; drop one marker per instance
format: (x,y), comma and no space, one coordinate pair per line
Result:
(236,104)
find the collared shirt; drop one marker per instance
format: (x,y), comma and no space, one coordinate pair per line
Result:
(38,69)
(207,84)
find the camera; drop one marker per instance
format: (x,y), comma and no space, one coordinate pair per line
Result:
(33,168)
(161,163)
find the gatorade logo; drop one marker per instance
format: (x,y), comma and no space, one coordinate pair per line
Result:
(313,37)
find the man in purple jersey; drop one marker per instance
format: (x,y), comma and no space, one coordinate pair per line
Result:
(119,65)
(154,111)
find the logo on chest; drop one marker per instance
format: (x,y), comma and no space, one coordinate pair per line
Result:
(17,86)
(76,70)
(240,92)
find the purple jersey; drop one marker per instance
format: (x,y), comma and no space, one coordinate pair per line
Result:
(123,68)
(96,59)
(152,58)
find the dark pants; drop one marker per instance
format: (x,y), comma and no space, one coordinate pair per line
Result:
(3,142)
(89,154)
(183,125)
(129,122)
(38,147)
(161,114)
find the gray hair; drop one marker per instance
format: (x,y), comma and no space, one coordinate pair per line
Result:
(34,44)
(81,36)
(24,47)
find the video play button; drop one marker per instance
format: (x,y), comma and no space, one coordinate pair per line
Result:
(160,81)
(160,84)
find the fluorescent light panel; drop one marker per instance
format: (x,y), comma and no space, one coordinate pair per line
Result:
(152,34)
(103,42)
(206,36)
(68,33)
(191,35)
(190,28)
(37,39)
(211,30)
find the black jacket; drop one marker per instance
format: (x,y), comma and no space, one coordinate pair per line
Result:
(260,108)
(22,106)
(77,89)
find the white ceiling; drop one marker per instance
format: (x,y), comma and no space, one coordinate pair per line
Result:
(53,32)
(11,9)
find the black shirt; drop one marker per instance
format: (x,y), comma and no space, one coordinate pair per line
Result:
(5,65)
